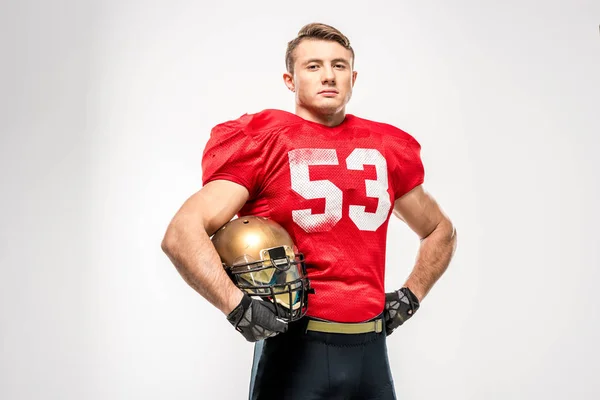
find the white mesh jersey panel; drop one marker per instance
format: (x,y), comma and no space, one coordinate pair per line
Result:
(300,159)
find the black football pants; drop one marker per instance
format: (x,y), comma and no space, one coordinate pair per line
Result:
(300,365)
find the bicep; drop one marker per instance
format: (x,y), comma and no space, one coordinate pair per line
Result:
(419,210)
(215,204)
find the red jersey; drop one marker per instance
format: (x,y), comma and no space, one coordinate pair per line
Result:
(331,188)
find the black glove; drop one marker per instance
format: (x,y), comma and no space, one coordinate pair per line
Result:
(255,319)
(400,305)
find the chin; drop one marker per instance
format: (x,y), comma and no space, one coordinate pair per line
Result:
(328,108)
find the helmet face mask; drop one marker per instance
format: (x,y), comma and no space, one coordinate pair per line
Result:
(262,260)
(277,277)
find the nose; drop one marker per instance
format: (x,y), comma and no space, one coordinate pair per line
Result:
(328,76)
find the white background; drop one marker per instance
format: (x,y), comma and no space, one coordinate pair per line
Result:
(105,108)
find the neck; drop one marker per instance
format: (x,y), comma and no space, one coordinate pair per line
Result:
(329,120)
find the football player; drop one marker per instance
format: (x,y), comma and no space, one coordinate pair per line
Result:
(331,180)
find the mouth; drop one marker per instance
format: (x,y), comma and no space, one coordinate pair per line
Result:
(329,92)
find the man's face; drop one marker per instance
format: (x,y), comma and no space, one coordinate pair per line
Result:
(323,77)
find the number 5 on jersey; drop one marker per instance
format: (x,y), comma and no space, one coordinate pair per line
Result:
(301,159)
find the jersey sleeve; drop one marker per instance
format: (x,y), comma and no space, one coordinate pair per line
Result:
(408,171)
(233,154)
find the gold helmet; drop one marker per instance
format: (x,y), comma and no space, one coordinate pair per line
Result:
(263,261)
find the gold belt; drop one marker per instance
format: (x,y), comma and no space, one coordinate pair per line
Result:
(348,328)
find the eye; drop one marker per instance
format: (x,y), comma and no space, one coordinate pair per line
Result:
(313,67)
(340,66)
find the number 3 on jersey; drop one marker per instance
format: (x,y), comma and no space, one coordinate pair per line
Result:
(301,159)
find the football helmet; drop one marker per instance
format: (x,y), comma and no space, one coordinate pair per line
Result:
(262,260)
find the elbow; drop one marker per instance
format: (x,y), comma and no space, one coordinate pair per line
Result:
(451,229)
(443,229)
(446,231)
(169,241)
(179,234)
(166,244)
(452,235)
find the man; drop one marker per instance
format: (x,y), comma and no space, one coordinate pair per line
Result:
(332,180)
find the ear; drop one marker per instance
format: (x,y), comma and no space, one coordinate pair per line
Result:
(288,79)
(354,75)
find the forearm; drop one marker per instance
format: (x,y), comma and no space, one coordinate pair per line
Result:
(189,248)
(433,258)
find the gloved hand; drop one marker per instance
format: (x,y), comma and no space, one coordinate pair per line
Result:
(256,320)
(400,305)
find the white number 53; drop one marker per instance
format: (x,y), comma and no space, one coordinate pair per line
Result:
(301,159)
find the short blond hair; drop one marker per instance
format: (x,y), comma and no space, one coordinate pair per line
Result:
(317,31)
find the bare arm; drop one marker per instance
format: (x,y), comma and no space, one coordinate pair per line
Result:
(187,241)
(422,214)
